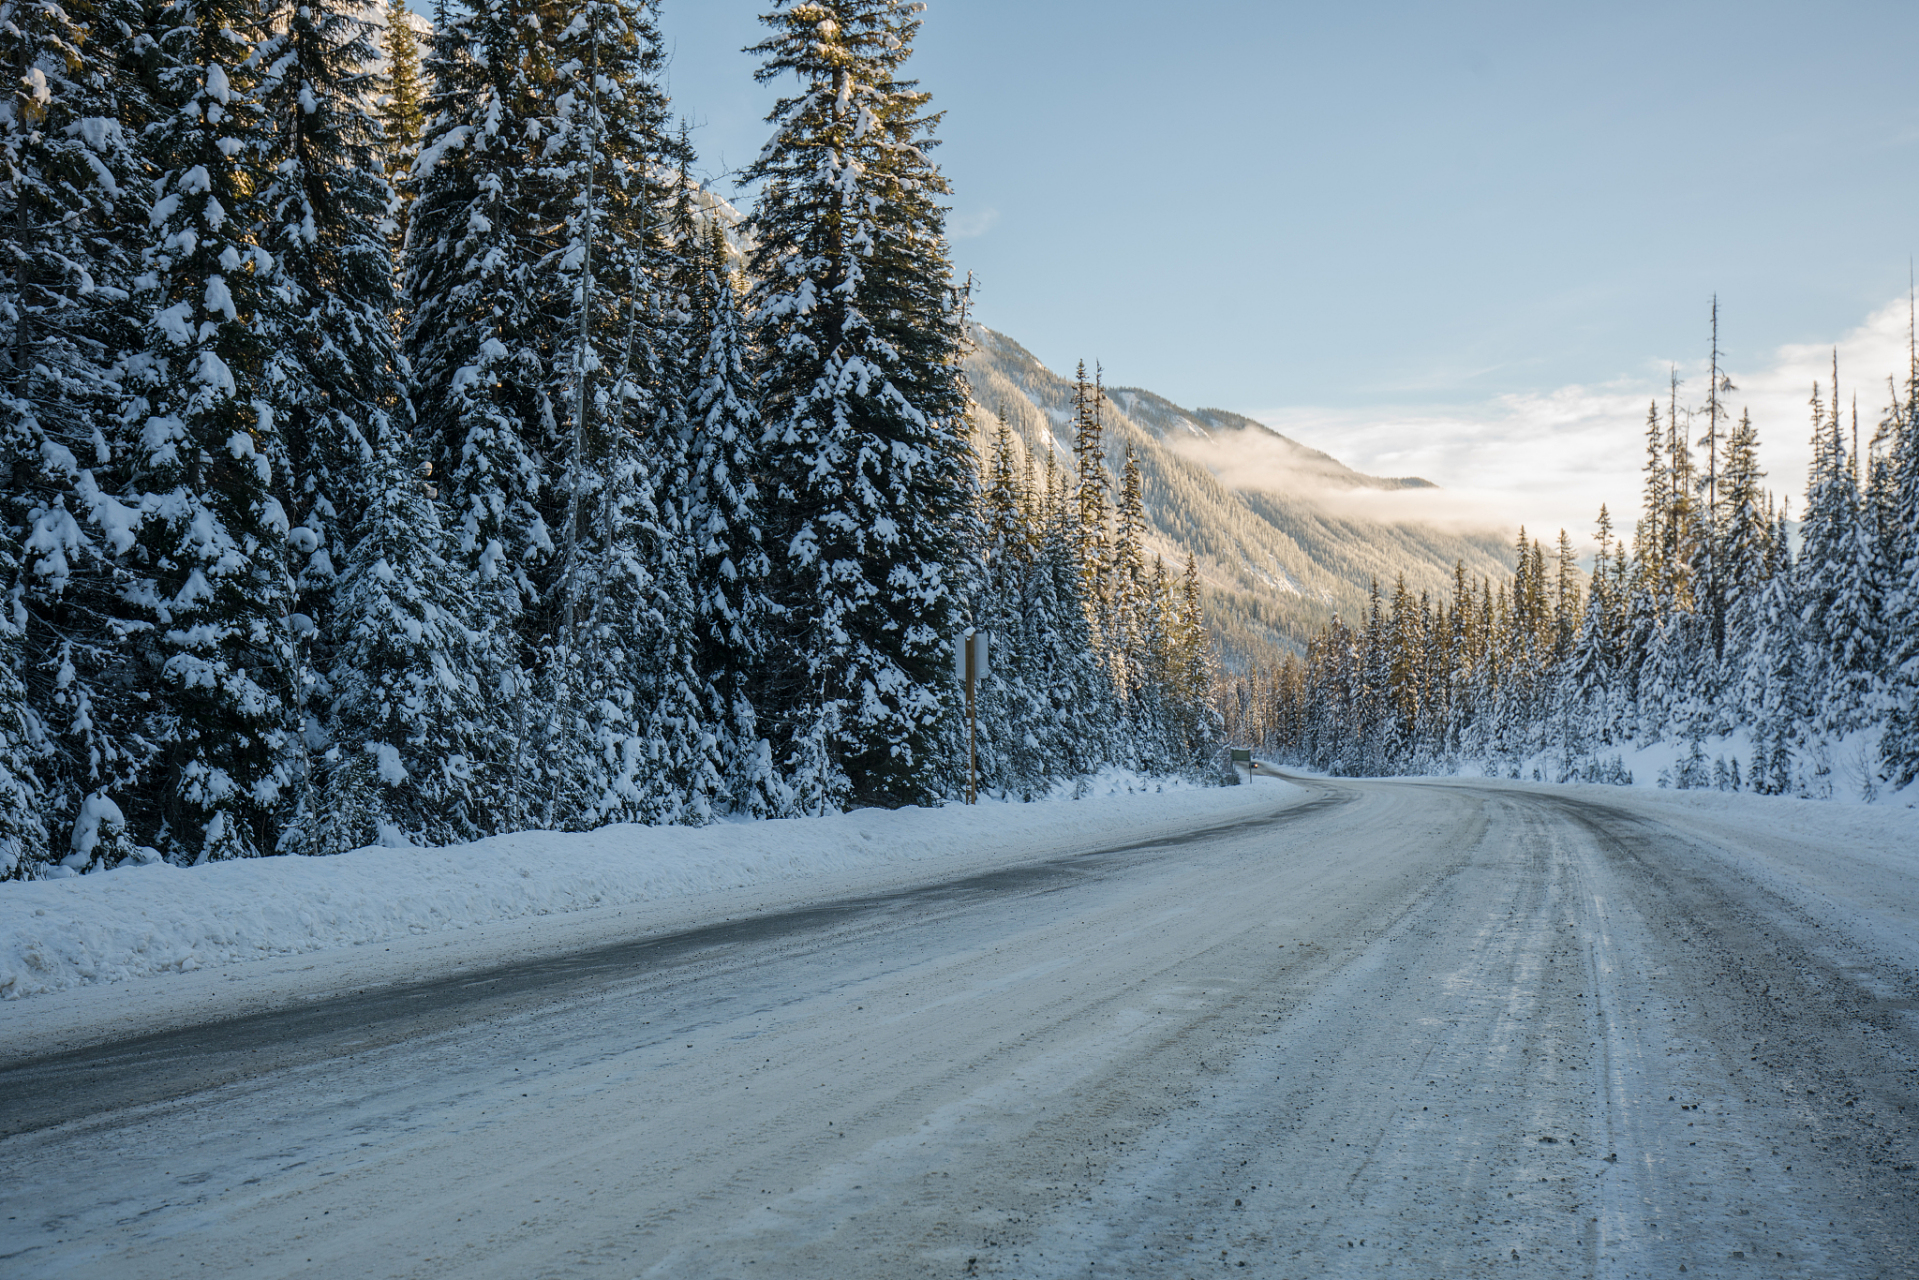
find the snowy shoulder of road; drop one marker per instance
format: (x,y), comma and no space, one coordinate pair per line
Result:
(1843,863)
(1855,865)
(299,926)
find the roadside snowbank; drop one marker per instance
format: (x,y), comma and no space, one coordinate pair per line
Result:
(139,921)
(1845,769)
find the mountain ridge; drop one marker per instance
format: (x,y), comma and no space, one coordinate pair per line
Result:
(1276,561)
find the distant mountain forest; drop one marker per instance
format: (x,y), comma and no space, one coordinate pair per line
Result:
(1794,653)
(1275,563)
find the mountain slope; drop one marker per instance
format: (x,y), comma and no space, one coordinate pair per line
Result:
(1296,536)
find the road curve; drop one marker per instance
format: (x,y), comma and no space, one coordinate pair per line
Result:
(1404,1028)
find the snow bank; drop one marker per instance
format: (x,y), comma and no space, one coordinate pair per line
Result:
(1844,769)
(142,920)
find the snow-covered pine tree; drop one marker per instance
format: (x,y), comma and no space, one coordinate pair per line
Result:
(1131,603)
(1081,732)
(1013,711)
(410,717)
(480,338)
(1405,641)
(870,478)
(337,382)
(1838,598)
(1565,607)
(1156,730)
(636,255)
(1681,523)
(23,830)
(1369,680)
(532,260)
(1744,534)
(1582,686)
(1707,573)
(1193,667)
(1899,747)
(73,200)
(213,577)
(1773,685)
(1650,538)
(403,111)
(1092,505)
(723,519)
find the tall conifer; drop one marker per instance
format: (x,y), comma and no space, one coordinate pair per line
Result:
(864,406)
(211,453)
(74,202)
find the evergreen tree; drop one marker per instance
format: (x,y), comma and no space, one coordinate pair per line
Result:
(532,266)
(1899,747)
(1131,597)
(23,833)
(1773,685)
(1744,536)
(213,580)
(74,201)
(403,113)
(1837,596)
(1650,543)
(864,407)
(731,612)
(410,716)
(335,384)
(1091,499)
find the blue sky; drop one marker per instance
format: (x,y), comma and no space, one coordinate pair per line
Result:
(1465,239)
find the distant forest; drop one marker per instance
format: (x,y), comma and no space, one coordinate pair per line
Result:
(1795,652)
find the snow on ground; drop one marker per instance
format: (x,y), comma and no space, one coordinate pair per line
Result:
(1853,865)
(140,921)
(1847,770)
(1856,864)
(1479,1027)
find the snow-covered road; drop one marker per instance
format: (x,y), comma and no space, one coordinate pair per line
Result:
(1400,1028)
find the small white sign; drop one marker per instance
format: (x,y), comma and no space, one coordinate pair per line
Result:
(979,641)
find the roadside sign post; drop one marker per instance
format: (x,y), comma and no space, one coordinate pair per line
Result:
(1244,757)
(969,664)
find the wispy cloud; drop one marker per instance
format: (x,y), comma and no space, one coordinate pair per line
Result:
(1547,459)
(968,226)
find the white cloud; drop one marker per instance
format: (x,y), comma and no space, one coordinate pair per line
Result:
(1547,459)
(968,226)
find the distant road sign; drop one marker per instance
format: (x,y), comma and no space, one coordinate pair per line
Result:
(1241,757)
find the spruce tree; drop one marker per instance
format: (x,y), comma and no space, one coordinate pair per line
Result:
(1744,533)
(1092,506)
(410,716)
(336,383)
(74,202)
(1131,598)
(1774,687)
(23,832)
(1838,597)
(731,611)
(403,113)
(481,338)
(1899,748)
(533,262)
(864,407)
(213,579)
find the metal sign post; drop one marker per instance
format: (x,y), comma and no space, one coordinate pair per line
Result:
(969,664)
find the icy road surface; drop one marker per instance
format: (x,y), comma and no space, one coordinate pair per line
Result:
(1419,1029)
